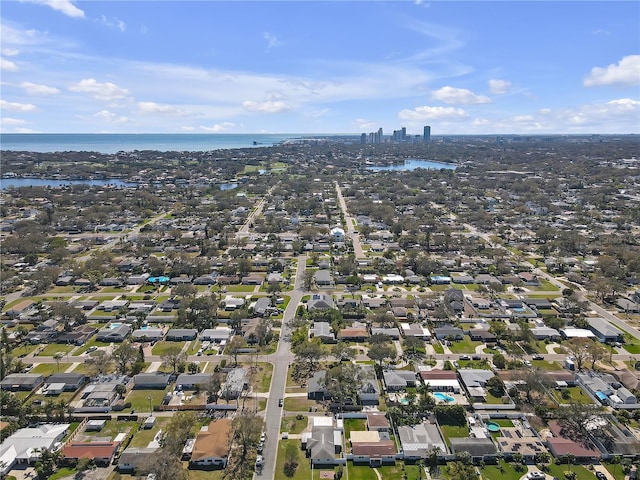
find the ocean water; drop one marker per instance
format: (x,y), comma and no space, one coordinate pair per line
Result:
(112,143)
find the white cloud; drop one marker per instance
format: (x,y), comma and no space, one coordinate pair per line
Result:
(17,107)
(10,52)
(626,72)
(25,130)
(219,127)
(111,117)
(499,87)
(35,89)
(272,40)
(366,125)
(65,6)
(458,96)
(432,113)
(12,121)
(152,107)
(8,65)
(113,23)
(101,91)
(266,107)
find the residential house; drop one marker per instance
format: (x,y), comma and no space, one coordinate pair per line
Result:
(77,336)
(25,445)
(189,381)
(113,333)
(320,301)
(147,335)
(418,441)
(377,421)
(415,330)
(393,333)
(234,384)
(480,449)
(323,278)
(70,381)
(324,443)
(398,380)
(448,333)
(372,447)
(102,453)
(322,330)
(262,306)
(132,459)
(560,445)
(151,380)
(181,334)
(22,381)
(216,335)
(520,440)
(474,381)
(369,391)
(355,333)
(212,445)
(441,380)
(605,331)
(315,387)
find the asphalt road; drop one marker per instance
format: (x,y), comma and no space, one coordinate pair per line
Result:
(280,360)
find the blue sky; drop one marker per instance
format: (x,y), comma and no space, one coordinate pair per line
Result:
(320,67)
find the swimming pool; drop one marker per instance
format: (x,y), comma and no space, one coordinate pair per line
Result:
(113,326)
(493,427)
(443,397)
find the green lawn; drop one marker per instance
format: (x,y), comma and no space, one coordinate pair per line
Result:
(581,472)
(353,424)
(503,422)
(465,345)
(452,431)
(23,350)
(388,472)
(140,401)
(615,470)
(632,348)
(113,428)
(264,374)
(544,365)
(50,368)
(292,425)
(303,472)
(299,404)
(162,347)
(502,471)
(142,438)
(576,395)
(91,343)
(194,347)
(53,348)
(437,346)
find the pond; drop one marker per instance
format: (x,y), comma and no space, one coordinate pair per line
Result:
(41,182)
(412,164)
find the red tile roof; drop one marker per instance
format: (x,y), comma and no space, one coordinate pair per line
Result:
(90,450)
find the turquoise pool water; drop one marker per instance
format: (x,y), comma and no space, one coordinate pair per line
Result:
(114,325)
(443,397)
(493,427)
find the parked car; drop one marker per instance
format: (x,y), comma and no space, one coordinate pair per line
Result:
(92,349)
(465,357)
(476,357)
(537,356)
(536,476)
(280,402)
(601,476)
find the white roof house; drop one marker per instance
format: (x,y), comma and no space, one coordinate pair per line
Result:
(576,333)
(24,445)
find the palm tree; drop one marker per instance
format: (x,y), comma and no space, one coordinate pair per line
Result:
(57,357)
(570,459)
